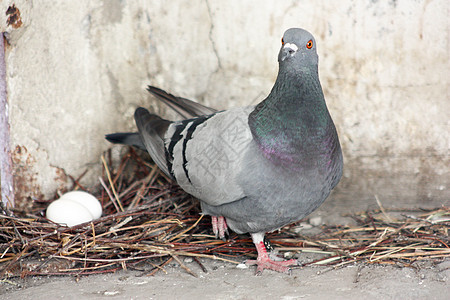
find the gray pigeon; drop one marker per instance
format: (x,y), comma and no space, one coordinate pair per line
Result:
(258,168)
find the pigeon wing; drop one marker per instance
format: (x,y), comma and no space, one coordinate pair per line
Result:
(184,107)
(205,154)
(151,130)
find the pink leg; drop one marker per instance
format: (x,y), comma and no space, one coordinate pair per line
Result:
(219,226)
(264,262)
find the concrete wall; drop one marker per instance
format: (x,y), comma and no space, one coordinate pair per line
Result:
(77,70)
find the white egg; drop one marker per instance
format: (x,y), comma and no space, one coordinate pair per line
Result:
(68,212)
(74,208)
(87,200)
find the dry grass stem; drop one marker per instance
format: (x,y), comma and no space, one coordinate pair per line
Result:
(149,222)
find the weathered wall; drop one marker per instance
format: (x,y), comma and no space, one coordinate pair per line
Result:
(77,69)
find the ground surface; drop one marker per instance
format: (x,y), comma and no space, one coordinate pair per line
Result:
(427,280)
(225,281)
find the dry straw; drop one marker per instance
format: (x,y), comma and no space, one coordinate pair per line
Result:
(148,222)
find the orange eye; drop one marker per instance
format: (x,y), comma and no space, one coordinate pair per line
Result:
(282,41)
(309,44)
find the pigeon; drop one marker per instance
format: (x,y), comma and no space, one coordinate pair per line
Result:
(254,169)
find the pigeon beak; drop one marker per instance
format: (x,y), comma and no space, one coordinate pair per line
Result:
(286,51)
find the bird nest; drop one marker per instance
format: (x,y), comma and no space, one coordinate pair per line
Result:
(149,222)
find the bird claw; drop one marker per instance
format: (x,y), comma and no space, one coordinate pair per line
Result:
(267,263)
(266,260)
(219,226)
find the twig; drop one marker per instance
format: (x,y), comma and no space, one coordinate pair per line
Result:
(200,264)
(183,232)
(160,267)
(109,194)
(382,209)
(121,224)
(111,183)
(184,266)
(162,222)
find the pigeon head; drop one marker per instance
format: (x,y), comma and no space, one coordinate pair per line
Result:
(298,49)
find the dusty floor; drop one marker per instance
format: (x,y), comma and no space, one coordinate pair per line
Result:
(427,280)
(225,281)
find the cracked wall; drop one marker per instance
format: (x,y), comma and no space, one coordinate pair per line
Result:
(77,70)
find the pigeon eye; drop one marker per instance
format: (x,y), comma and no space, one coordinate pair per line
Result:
(282,41)
(309,44)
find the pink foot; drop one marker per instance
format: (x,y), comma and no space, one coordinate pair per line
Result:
(219,226)
(264,262)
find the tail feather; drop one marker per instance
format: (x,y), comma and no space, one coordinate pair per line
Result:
(185,107)
(126,138)
(152,129)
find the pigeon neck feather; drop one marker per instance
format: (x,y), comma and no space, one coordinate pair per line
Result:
(292,126)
